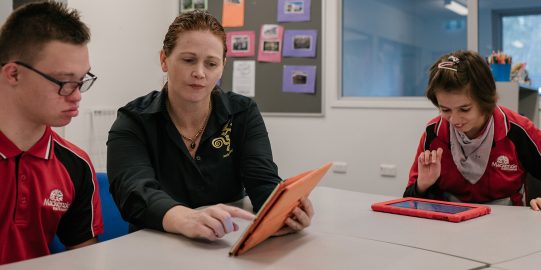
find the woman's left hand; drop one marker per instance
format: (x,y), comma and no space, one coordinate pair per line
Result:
(535,204)
(300,218)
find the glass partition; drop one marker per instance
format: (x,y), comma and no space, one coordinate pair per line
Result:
(388,45)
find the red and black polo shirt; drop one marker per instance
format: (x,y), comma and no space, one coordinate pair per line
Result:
(49,189)
(516,150)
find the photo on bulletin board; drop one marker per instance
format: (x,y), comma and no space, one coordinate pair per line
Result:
(271,46)
(270,43)
(240,43)
(190,5)
(293,10)
(299,79)
(300,43)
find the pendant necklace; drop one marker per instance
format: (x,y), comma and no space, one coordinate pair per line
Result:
(199,132)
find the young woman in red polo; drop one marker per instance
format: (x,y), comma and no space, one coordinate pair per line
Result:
(474,151)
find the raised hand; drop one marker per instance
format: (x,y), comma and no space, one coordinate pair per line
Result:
(429,167)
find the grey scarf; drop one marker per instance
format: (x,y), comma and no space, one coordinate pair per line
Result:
(471,155)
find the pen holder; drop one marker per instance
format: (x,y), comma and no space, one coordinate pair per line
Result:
(501,72)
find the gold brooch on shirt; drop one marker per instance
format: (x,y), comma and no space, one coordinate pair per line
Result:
(224,139)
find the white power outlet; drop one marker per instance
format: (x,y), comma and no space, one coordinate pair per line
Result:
(339,167)
(388,170)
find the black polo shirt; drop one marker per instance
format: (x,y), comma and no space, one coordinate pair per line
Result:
(150,169)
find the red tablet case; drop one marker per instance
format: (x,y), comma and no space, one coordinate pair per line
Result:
(276,209)
(475,211)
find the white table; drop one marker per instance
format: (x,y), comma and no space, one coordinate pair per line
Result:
(507,233)
(345,234)
(530,262)
(148,249)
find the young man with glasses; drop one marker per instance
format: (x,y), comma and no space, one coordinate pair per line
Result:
(47,185)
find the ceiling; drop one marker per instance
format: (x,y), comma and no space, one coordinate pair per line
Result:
(425,8)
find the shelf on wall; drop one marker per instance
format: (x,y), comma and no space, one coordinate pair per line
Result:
(520,98)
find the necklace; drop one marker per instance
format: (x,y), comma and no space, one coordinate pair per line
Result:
(199,132)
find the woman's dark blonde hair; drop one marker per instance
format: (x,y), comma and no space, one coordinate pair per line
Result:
(472,75)
(197,20)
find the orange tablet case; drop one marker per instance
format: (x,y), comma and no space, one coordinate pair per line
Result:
(473,210)
(276,209)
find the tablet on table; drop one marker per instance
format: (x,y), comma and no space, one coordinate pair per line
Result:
(433,209)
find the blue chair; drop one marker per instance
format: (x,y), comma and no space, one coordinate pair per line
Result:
(113,224)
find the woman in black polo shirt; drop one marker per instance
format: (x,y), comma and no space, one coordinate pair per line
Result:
(192,144)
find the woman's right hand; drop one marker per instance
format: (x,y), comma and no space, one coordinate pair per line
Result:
(210,223)
(429,168)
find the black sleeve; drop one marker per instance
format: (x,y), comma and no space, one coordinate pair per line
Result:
(411,191)
(82,221)
(133,183)
(527,142)
(431,193)
(259,173)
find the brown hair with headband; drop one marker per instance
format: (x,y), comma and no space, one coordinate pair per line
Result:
(197,20)
(463,71)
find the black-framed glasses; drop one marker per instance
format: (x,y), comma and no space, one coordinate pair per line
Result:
(66,88)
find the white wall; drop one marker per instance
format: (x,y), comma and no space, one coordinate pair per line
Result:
(5,8)
(124,52)
(126,38)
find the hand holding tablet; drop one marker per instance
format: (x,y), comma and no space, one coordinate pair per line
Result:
(278,208)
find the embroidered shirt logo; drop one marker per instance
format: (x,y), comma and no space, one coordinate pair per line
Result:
(56,201)
(224,139)
(502,162)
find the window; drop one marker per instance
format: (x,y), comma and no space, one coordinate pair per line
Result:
(521,38)
(388,45)
(515,28)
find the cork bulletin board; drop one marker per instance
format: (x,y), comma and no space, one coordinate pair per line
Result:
(269,94)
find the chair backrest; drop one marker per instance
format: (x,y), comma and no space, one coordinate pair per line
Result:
(113,224)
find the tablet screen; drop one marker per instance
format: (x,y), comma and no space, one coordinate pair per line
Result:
(436,207)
